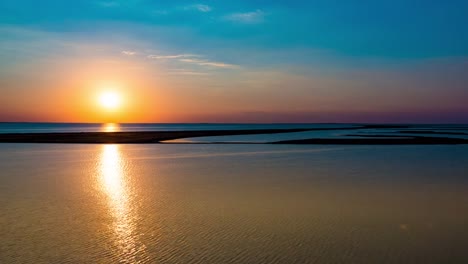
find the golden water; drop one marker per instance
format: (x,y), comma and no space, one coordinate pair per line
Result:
(233,204)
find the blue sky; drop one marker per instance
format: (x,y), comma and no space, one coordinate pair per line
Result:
(389,29)
(332,49)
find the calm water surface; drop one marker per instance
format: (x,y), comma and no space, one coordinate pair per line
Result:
(233,204)
(112,127)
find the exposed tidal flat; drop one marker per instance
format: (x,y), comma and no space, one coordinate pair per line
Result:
(230,203)
(344,134)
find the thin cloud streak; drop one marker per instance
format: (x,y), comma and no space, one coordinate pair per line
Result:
(129,52)
(166,57)
(193,59)
(254,17)
(199,7)
(195,7)
(210,63)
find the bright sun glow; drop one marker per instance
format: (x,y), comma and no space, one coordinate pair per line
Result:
(110,100)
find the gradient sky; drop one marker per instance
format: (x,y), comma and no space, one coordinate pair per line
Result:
(235,61)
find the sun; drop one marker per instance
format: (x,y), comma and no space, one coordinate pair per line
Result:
(110,100)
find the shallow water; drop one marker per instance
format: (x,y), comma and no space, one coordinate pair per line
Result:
(111,127)
(233,204)
(446,131)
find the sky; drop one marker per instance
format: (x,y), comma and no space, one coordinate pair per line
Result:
(400,61)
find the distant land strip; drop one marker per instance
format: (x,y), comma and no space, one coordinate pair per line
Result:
(153,137)
(130,137)
(433,132)
(140,137)
(377,141)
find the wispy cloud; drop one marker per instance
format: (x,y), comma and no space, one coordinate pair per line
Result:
(168,57)
(209,63)
(185,58)
(195,7)
(253,17)
(199,7)
(129,52)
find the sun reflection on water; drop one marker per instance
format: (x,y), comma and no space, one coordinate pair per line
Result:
(114,183)
(110,127)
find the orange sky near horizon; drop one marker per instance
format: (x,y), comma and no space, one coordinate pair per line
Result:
(69,89)
(70,93)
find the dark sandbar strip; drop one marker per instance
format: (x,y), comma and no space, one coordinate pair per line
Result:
(159,136)
(433,132)
(129,137)
(377,141)
(149,136)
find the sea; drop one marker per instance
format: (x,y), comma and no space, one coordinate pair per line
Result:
(233,203)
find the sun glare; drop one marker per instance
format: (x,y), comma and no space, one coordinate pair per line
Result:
(110,100)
